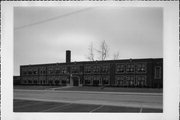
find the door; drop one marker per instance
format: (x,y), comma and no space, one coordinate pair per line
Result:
(75,81)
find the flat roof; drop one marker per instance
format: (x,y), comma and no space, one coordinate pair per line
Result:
(97,61)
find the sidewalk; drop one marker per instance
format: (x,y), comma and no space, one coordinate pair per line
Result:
(94,92)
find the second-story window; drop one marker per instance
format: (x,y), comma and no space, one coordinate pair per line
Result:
(130,68)
(87,69)
(96,69)
(58,71)
(24,72)
(42,70)
(75,69)
(64,70)
(50,70)
(141,68)
(105,69)
(120,68)
(30,73)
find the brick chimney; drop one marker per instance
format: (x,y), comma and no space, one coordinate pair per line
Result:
(68,56)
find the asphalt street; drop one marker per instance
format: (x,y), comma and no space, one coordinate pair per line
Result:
(44,106)
(144,100)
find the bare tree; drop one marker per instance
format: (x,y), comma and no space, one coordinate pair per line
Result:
(91,52)
(103,51)
(116,56)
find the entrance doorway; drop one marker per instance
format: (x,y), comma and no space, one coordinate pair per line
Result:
(75,81)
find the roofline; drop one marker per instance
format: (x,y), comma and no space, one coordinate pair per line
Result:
(79,62)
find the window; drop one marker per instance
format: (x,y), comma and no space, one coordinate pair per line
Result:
(96,80)
(157,72)
(30,72)
(63,79)
(35,81)
(35,72)
(50,70)
(87,80)
(130,68)
(64,70)
(42,70)
(105,69)
(44,82)
(105,80)
(87,69)
(141,80)
(96,77)
(130,80)
(29,81)
(58,71)
(24,73)
(120,68)
(141,68)
(96,69)
(75,69)
(120,80)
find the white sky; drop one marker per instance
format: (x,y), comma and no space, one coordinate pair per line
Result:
(134,32)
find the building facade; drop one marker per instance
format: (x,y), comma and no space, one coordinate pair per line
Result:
(119,73)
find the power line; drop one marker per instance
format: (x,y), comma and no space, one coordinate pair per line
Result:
(51,19)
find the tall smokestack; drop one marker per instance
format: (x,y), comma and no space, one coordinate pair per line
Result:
(68,56)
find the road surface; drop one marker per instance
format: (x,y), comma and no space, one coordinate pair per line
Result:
(145,100)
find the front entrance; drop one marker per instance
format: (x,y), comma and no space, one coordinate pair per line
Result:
(75,81)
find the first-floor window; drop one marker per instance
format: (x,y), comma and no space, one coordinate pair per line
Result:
(120,80)
(35,81)
(105,80)
(130,80)
(44,82)
(29,81)
(25,82)
(63,81)
(96,80)
(141,80)
(87,82)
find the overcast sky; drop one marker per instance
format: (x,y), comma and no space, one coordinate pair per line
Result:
(42,35)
